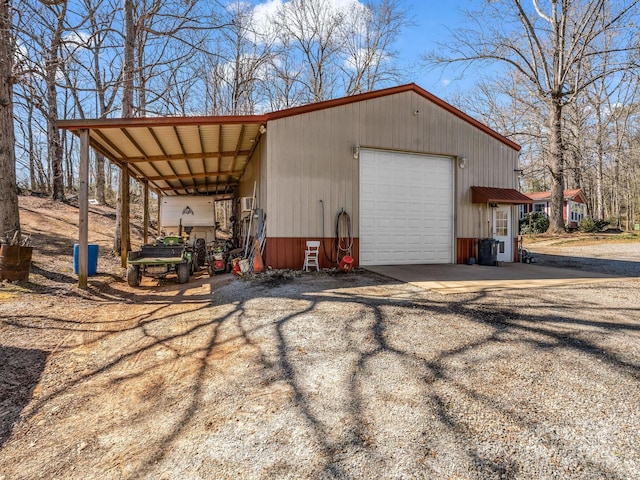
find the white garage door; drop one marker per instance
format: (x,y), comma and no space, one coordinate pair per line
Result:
(406,208)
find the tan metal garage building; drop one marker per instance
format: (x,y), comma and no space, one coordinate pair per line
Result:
(419,180)
(402,163)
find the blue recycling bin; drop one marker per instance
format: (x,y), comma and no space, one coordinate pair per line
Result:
(93,259)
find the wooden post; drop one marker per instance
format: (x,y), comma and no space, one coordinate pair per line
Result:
(83,221)
(146,212)
(124,209)
(159,216)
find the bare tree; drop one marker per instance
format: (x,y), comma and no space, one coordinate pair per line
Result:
(239,62)
(88,75)
(47,41)
(313,29)
(623,125)
(9,212)
(507,105)
(167,34)
(128,88)
(284,77)
(369,33)
(548,44)
(30,131)
(325,48)
(42,31)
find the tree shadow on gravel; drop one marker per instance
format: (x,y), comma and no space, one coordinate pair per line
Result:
(19,374)
(539,332)
(164,359)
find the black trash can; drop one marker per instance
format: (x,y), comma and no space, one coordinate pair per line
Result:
(487,251)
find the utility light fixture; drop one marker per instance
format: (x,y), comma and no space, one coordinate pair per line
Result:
(462,162)
(356,151)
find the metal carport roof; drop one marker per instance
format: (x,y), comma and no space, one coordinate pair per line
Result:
(171,155)
(177,155)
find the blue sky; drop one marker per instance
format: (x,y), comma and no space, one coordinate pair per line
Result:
(432,18)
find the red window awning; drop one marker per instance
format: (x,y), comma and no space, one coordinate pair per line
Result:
(498,195)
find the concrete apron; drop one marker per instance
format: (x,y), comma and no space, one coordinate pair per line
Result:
(477,278)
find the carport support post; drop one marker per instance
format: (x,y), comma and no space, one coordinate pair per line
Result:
(145,213)
(83,221)
(124,212)
(159,227)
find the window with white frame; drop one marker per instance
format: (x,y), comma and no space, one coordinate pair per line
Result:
(522,211)
(576,211)
(539,207)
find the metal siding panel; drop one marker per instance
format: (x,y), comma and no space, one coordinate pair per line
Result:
(322,171)
(290,189)
(254,172)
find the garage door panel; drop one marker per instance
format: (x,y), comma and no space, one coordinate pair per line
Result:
(406,208)
(415,240)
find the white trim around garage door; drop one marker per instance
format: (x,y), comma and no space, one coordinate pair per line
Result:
(407,208)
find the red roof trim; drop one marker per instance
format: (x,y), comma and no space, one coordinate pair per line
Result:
(498,195)
(76,124)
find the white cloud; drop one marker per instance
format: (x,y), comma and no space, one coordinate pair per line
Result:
(445,83)
(78,38)
(264,12)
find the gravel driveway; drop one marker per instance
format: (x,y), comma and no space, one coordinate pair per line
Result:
(622,259)
(326,376)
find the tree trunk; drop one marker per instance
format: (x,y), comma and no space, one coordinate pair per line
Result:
(53,135)
(9,212)
(127,111)
(599,179)
(32,154)
(109,179)
(53,140)
(617,210)
(67,147)
(117,235)
(556,167)
(100,197)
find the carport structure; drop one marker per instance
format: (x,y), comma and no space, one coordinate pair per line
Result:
(168,155)
(404,164)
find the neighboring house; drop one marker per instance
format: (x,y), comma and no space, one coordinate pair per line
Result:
(419,180)
(574,209)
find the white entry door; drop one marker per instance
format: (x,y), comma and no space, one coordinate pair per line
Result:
(502,232)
